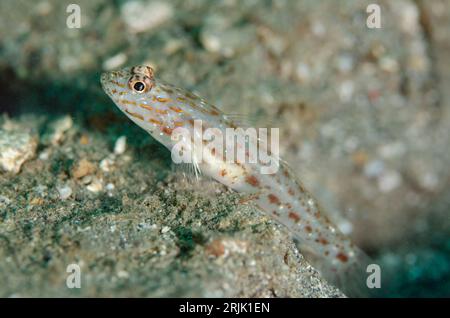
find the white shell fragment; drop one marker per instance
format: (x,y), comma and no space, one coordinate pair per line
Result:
(120,145)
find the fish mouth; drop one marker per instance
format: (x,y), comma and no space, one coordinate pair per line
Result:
(110,80)
(105,77)
(105,80)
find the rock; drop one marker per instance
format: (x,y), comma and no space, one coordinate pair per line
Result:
(83,168)
(57,129)
(15,148)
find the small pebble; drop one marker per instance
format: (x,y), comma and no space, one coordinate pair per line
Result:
(114,62)
(140,16)
(173,46)
(107,164)
(84,140)
(346,90)
(123,274)
(409,17)
(95,186)
(44,155)
(303,72)
(83,168)
(86,179)
(388,64)
(165,229)
(121,145)
(65,192)
(389,181)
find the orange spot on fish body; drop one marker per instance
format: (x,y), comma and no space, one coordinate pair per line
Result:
(161,111)
(342,257)
(322,241)
(294,216)
(308,229)
(130,102)
(163,99)
(176,109)
(252,180)
(146,107)
(273,199)
(154,121)
(167,130)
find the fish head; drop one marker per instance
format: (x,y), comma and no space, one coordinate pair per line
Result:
(149,103)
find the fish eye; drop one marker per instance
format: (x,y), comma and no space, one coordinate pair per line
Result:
(139,86)
(140,83)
